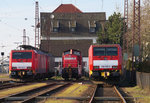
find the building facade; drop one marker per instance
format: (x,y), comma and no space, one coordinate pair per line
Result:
(67,27)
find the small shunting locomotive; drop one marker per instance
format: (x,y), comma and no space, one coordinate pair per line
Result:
(71,64)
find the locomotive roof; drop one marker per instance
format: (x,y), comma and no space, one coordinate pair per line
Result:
(42,52)
(29,47)
(106,45)
(72,49)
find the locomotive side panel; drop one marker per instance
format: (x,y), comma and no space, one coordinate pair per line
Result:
(35,63)
(26,64)
(51,65)
(90,60)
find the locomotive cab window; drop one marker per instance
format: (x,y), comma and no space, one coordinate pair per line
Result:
(99,51)
(76,53)
(105,51)
(22,55)
(67,52)
(111,51)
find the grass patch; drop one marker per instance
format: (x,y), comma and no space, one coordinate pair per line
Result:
(4,76)
(75,90)
(57,78)
(61,101)
(85,78)
(143,95)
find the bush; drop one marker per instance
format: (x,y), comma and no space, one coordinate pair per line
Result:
(144,66)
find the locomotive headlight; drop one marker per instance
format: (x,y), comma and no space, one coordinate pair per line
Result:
(13,73)
(29,72)
(114,67)
(96,67)
(14,67)
(29,68)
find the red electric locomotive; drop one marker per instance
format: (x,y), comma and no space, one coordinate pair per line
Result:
(31,63)
(71,64)
(105,60)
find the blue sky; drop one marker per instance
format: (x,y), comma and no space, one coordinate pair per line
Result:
(14,12)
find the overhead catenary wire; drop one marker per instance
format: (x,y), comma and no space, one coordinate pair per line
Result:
(13,27)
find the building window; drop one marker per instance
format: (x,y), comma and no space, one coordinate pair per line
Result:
(72,29)
(92,26)
(92,30)
(72,26)
(55,26)
(55,29)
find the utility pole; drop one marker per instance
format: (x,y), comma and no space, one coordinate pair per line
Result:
(136,38)
(125,36)
(24,36)
(37,24)
(2,63)
(28,40)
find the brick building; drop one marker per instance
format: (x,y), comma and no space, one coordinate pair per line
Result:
(68,27)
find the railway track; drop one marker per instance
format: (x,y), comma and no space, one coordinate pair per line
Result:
(11,85)
(31,96)
(3,82)
(107,94)
(100,93)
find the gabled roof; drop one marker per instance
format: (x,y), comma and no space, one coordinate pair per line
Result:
(67,8)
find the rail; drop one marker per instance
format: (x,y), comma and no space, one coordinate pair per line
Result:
(106,94)
(119,94)
(92,98)
(29,96)
(10,85)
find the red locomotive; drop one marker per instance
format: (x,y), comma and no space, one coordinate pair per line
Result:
(71,64)
(30,63)
(105,60)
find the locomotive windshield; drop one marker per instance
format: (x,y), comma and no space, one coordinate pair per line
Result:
(76,53)
(111,51)
(99,51)
(105,51)
(22,55)
(67,52)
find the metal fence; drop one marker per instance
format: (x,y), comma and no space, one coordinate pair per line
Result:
(143,80)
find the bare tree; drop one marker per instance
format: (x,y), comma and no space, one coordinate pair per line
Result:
(145,27)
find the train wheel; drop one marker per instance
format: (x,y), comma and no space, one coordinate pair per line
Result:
(77,78)
(66,79)
(90,78)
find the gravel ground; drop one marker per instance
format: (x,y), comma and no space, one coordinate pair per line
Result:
(75,90)
(140,95)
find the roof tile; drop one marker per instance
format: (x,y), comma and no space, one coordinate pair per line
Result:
(67,8)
